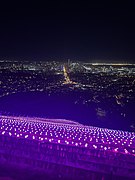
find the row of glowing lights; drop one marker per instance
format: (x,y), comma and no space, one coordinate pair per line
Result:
(83,136)
(115,64)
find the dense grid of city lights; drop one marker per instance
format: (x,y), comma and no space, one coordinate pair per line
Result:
(69,134)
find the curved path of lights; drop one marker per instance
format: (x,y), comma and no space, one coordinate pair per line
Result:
(116,141)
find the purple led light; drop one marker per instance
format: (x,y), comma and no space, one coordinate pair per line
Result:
(69,134)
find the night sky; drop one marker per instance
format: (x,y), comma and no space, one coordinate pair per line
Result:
(58,31)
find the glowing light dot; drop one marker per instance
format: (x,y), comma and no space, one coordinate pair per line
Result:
(86,145)
(126,151)
(26,136)
(10,134)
